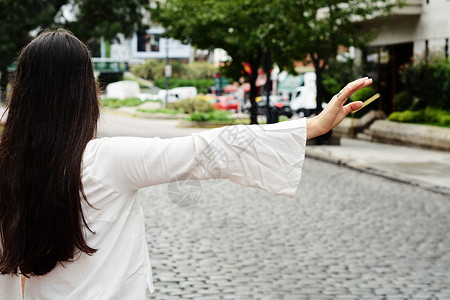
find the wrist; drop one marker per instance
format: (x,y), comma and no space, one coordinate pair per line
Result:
(313,128)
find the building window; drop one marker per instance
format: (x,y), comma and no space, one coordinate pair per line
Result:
(148,43)
(154,42)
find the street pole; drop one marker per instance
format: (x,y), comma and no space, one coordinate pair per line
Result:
(272,113)
(166,73)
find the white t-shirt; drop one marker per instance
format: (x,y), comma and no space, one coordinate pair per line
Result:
(269,157)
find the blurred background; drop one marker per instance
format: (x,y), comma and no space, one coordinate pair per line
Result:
(371,217)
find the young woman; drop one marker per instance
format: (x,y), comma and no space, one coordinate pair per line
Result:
(69,219)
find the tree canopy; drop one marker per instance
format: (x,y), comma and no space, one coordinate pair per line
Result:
(319,27)
(244,28)
(291,29)
(89,19)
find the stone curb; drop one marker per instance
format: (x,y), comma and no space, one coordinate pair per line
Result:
(376,172)
(423,136)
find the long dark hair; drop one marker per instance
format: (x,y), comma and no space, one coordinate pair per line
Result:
(52,114)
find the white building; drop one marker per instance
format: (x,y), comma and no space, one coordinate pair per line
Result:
(418,28)
(421,23)
(152,45)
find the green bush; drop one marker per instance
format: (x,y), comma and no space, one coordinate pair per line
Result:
(215,116)
(220,115)
(444,120)
(363,94)
(428,80)
(115,103)
(408,116)
(403,101)
(191,105)
(153,69)
(199,116)
(199,70)
(202,85)
(429,115)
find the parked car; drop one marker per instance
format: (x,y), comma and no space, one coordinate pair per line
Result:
(284,107)
(228,102)
(281,104)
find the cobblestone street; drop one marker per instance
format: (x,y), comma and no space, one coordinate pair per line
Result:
(346,235)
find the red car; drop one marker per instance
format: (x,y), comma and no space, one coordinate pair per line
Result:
(227,102)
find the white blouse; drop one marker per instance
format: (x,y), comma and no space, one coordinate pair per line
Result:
(269,157)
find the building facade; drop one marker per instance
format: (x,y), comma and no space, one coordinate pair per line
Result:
(419,28)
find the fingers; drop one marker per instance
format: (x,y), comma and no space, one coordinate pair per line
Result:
(352,107)
(353,86)
(348,90)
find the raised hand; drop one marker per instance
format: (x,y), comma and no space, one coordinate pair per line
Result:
(335,111)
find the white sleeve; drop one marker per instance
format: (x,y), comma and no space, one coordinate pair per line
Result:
(10,287)
(269,157)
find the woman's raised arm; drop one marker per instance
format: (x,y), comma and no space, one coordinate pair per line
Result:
(269,157)
(335,111)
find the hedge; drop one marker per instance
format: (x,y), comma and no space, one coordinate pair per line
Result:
(202,85)
(428,80)
(191,105)
(432,116)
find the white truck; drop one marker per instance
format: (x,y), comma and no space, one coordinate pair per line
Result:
(303,100)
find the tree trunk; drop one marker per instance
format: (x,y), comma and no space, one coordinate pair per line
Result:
(253,107)
(254,64)
(320,98)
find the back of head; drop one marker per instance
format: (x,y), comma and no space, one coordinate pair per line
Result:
(52,115)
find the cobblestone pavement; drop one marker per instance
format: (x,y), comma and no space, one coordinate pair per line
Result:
(346,235)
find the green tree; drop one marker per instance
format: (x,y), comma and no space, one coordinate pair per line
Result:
(18,18)
(291,29)
(244,28)
(107,18)
(93,19)
(315,29)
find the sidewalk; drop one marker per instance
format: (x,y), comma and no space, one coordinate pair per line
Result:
(427,169)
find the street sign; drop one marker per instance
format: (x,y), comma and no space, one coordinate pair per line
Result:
(168,70)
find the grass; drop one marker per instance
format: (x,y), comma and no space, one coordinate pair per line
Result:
(116,103)
(215,116)
(160,110)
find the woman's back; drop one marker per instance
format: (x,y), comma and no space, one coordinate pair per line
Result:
(120,268)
